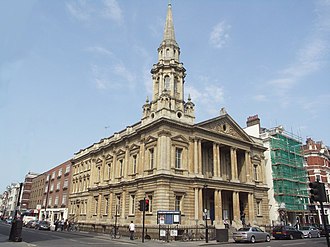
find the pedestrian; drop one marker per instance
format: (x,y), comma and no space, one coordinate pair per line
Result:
(56,225)
(243,218)
(226,223)
(66,225)
(131,228)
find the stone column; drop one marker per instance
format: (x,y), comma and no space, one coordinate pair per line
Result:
(218,207)
(200,198)
(126,163)
(123,203)
(196,203)
(200,165)
(251,209)
(110,204)
(215,160)
(196,156)
(236,211)
(233,159)
(99,207)
(142,160)
(248,167)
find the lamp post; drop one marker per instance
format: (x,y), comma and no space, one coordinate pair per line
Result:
(205,215)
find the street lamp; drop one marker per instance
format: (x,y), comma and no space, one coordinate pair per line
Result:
(205,215)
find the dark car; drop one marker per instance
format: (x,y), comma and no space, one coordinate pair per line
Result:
(43,225)
(287,232)
(322,230)
(251,234)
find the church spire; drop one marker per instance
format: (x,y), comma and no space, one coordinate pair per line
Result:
(169,27)
(168,81)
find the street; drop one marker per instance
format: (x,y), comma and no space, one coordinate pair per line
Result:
(39,238)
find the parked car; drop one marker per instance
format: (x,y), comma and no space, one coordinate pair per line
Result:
(286,232)
(251,234)
(310,232)
(31,224)
(322,230)
(42,225)
(9,221)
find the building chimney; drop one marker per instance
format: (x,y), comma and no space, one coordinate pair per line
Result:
(252,120)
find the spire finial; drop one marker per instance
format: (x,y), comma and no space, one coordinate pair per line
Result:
(169,27)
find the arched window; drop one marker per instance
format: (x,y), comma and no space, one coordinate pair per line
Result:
(167,82)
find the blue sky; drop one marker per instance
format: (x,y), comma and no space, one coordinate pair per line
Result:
(73,72)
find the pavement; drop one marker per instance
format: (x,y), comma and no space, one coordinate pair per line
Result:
(4,241)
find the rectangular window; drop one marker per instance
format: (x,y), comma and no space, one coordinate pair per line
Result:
(178,158)
(151,158)
(106,205)
(50,201)
(58,185)
(109,171)
(67,169)
(259,211)
(178,201)
(59,172)
(132,205)
(96,205)
(121,168)
(98,174)
(134,164)
(51,187)
(318,177)
(56,200)
(118,202)
(150,203)
(53,174)
(66,183)
(64,197)
(255,169)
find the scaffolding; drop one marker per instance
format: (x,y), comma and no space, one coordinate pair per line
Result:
(289,173)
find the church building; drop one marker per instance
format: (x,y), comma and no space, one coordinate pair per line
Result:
(177,164)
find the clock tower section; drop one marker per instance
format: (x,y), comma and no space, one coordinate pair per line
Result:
(168,82)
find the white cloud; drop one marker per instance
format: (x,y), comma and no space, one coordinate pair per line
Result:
(310,57)
(79,10)
(209,98)
(99,78)
(84,10)
(123,72)
(112,10)
(219,35)
(260,97)
(115,77)
(99,49)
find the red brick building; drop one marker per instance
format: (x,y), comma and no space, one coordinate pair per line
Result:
(56,192)
(317,156)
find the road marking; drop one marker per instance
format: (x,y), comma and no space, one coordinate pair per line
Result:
(300,243)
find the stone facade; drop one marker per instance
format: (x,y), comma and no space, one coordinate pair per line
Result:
(175,163)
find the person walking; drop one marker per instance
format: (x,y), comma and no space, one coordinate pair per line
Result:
(131,228)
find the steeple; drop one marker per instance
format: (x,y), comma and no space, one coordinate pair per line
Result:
(169,27)
(168,81)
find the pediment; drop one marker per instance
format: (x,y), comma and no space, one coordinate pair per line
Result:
(120,152)
(227,126)
(108,157)
(179,138)
(134,147)
(150,139)
(99,160)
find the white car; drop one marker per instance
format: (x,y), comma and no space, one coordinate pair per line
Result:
(310,232)
(251,234)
